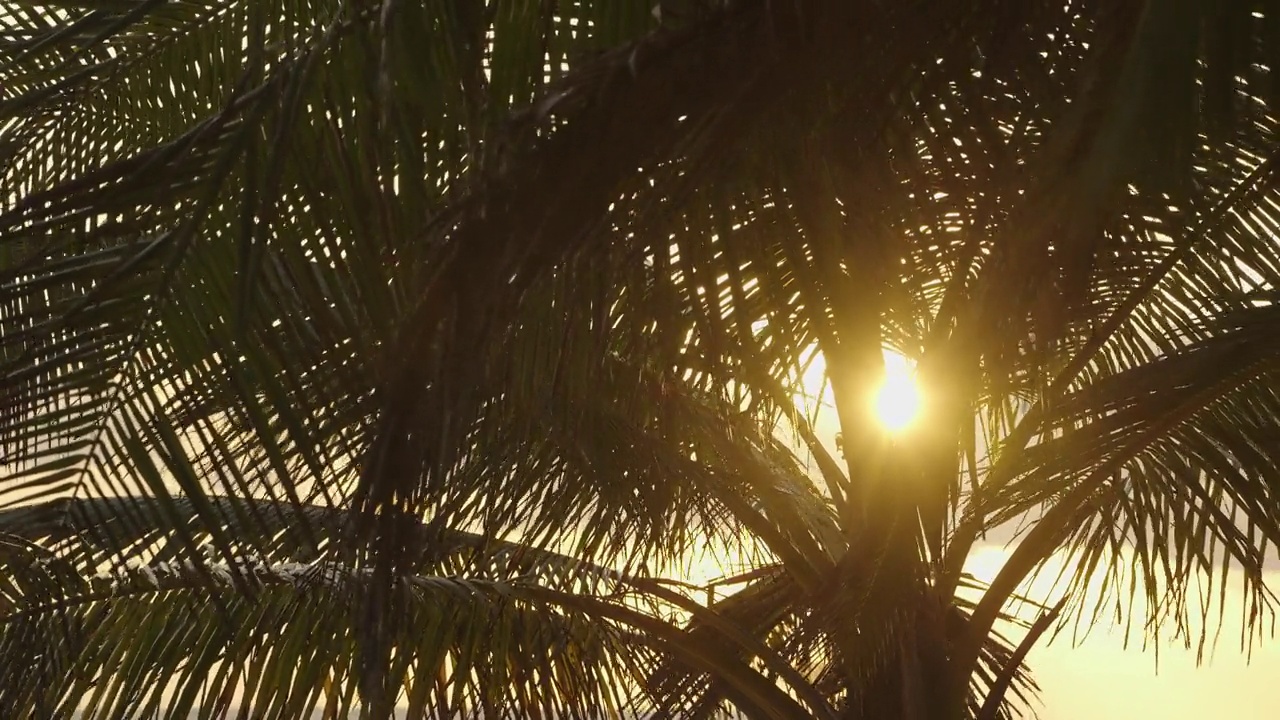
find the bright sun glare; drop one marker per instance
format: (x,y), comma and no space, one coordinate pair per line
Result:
(897,399)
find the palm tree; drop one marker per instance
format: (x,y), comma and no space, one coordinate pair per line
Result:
(366,355)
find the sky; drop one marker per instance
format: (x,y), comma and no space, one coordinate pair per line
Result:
(1100,679)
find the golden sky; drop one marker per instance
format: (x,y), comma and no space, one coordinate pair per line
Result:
(1101,679)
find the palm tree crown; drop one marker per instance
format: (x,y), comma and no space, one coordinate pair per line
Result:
(363,356)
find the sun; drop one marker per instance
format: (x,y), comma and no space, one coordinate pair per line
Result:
(897,400)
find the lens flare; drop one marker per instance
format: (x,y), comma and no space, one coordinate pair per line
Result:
(897,400)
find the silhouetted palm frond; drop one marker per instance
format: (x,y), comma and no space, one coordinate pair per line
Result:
(364,353)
